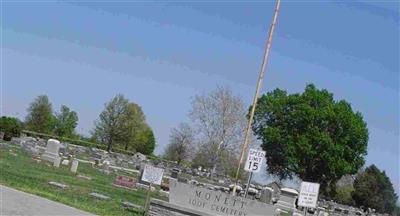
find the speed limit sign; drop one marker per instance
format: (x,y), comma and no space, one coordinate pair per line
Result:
(254,160)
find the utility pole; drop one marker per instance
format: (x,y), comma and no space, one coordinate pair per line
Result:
(260,78)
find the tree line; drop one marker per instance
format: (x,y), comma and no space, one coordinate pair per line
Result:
(122,124)
(307,135)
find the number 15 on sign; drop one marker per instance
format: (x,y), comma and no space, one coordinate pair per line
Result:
(254,160)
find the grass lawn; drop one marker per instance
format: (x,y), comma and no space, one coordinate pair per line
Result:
(23,173)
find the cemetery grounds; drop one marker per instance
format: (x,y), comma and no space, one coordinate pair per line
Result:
(18,170)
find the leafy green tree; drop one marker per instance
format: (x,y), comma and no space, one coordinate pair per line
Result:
(310,135)
(122,124)
(373,189)
(344,195)
(40,115)
(146,141)
(111,128)
(66,122)
(135,124)
(11,127)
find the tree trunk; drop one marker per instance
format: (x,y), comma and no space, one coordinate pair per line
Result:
(109,146)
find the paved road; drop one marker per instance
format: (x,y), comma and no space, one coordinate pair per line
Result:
(14,202)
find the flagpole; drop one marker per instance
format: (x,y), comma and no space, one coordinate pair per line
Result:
(260,77)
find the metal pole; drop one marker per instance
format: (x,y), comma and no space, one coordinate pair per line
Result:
(248,184)
(260,77)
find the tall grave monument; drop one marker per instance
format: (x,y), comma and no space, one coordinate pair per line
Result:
(52,150)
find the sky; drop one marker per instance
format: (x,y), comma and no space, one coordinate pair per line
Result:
(161,54)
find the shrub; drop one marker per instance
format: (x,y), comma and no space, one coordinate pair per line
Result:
(11,127)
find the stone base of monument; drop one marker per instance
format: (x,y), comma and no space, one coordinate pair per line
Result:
(144,187)
(47,156)
(162,208)
(203,201)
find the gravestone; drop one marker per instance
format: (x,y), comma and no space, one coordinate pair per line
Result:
(145,187)
(99,196)
(163,193)
(57,161)
(84,177)
(74,166)
(184,180)
(52,149)
(174,173)
(65,162)
(59,185)
(1,135)
(105,165)
(129,205)
(266,195)
(139,157)
(215,202)
(287,199)
(252,192)
(127,182)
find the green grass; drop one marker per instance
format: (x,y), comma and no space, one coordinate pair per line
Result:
(23,173)
(286,214)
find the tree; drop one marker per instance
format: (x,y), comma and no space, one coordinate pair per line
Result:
(111,128)
(310,135)
(180,143)
(135,125)
(10,126)
(373,189)
(66,122)
(40,115)
(219,118)
(344,195)
(396,211)
(344,189)
(122,124)
(147,141)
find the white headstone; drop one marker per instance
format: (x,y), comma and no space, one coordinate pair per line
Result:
(74,166)
(266,195)
(65,162)
(287,199)
(57,161)
(52,150)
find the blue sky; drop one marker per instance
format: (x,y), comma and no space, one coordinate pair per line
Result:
(159,55)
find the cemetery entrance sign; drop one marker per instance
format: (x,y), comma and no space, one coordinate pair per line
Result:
(215,202)
(308,194)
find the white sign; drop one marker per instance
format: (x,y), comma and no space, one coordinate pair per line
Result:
(308,194)
(254,160)
(152,175)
